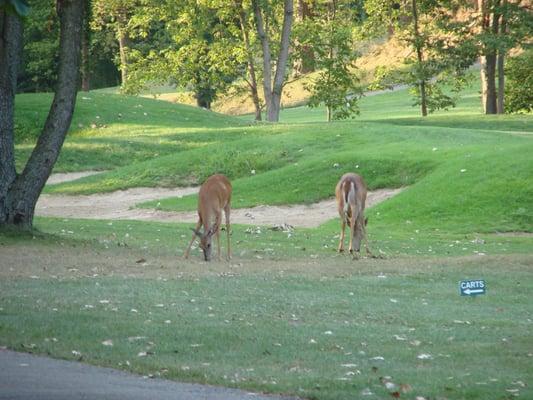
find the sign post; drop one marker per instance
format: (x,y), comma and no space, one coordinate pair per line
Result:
(472,287)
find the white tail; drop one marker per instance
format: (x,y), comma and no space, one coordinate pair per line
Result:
(213,197)
(351,197)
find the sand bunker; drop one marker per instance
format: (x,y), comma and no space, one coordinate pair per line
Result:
(121,205)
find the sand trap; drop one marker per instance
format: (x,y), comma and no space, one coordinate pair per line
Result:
(69,176)
(120,205)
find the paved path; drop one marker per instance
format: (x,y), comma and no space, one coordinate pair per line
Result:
(28,377)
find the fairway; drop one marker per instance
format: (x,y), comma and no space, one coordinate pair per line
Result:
(288,314)
(325,329)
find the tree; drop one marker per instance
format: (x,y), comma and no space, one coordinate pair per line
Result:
(245,29)
(188,43)
(115,15)
(273,88)
(439,58)
(305,60)
(40,48)
(500,26)
(19,192)
(40,55)
(519,93)
(336,85)
(85,48)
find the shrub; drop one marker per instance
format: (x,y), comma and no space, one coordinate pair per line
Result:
(519,87)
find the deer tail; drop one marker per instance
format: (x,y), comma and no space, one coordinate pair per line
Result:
(349,196)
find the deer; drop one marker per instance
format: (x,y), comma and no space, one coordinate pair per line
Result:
(213,197)
(350,194)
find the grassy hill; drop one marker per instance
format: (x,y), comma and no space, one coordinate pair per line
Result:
(466,171)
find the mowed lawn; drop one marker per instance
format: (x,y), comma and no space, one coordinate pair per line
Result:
(288,314)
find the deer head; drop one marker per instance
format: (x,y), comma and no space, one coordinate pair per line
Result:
(205,242)
(213,197)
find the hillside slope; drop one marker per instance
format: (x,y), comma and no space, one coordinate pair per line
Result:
(457,164)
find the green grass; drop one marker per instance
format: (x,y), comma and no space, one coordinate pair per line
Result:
(252,323)
(253,242)
(326,329)
(300,162)
(110,130)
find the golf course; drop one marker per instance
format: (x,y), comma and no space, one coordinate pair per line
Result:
(287,314)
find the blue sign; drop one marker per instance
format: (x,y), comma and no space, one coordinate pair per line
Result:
(472,287)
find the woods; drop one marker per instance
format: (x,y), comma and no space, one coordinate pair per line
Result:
(209,46)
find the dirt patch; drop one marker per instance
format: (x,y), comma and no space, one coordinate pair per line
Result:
(45,260)
(513,234)
(120,205)
(69,176)
(114,205)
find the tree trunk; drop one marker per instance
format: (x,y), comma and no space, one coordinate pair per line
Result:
(267,59)
(85,75)
(500,104)
(273,91)
(488,58)
(85,56)
(501,65)
(10,51)
(281,64)
(488,82)
(250,61)
(420,60)
(22,195)
(123,42)
(254,91)
(306,63)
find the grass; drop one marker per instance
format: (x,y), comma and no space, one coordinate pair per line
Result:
(288,314)
(319,329)
(300,162)
(110,130)
(460,155)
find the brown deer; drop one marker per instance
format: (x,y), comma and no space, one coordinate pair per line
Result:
(351,197)
(213,197)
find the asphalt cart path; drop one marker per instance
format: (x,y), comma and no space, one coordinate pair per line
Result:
(29,377)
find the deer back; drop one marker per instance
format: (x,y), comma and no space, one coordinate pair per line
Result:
(342,193)
(214,195)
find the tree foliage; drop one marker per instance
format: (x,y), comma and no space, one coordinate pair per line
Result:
(41,47)
(519,93)
(439,56)
(18,7)
(38,71)
(191,44)
(330,35)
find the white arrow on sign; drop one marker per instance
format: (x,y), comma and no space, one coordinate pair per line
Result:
(473,291)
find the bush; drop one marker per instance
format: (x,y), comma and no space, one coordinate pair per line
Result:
(519,86)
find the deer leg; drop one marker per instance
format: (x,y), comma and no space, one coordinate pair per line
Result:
(217,232)
(368,252)
(352,230)
(358,226)
(226,213)
(343,229)
(192,240)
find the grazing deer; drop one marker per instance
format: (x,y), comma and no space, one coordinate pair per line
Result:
(351,196)
(214,195)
